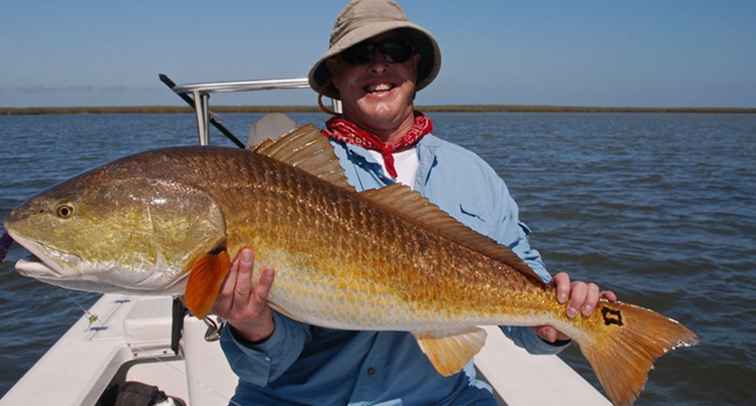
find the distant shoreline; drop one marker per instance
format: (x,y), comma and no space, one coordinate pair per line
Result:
(485,108)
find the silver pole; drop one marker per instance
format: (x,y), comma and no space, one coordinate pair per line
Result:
(206,115)
(199,111)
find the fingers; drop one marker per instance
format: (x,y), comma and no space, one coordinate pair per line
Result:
(608,295)
(562,283)
(243,301)
(581,297)
(543,332)
(591,298)
(578,293)
(263,285)
(230,283)
(236,292)
(244,279)
(550,333)
(249,296)
(226,297)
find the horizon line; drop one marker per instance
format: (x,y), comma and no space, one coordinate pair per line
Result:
(441,108)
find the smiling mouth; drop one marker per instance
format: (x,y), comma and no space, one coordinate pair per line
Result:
(379,88)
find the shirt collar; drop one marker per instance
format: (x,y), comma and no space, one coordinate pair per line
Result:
(427,157)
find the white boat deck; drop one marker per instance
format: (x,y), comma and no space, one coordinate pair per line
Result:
(130,341)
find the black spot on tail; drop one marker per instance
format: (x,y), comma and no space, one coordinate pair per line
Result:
(611,316)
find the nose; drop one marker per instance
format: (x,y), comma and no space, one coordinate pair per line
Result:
(378,62)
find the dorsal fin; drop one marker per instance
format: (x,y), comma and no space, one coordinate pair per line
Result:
(306,149)
(410,205)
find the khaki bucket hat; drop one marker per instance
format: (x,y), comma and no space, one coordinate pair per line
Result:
(364,19)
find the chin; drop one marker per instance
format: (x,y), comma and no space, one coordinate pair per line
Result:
(385,109)
(382,119)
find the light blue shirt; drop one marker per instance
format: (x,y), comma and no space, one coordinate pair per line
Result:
(302,364)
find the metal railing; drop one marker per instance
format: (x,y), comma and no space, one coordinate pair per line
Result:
(197,95)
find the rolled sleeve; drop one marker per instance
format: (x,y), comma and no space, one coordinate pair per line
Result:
(262,363)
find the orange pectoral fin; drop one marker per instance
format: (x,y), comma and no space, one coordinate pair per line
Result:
(206,275)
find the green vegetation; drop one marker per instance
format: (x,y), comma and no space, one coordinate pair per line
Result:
(476,108)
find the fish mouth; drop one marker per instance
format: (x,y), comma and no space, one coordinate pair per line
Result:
(36,269)
(37,266)
(55,267)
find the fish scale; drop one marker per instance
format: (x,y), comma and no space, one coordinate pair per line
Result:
(388,267)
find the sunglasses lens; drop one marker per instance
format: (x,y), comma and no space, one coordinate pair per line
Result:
(359,54)
(394,51)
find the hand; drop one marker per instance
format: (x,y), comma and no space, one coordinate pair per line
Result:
(243,303)
(582,296)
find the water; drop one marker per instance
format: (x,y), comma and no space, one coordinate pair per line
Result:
(659,207)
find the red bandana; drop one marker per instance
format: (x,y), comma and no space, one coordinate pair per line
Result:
(341,129)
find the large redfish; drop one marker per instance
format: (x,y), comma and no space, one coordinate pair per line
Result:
(167,222)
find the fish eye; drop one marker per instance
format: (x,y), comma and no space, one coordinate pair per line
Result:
(64,211)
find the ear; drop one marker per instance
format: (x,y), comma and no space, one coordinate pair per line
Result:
(416,64)
(334,71)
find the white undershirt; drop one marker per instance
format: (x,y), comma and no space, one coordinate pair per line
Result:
(405,162)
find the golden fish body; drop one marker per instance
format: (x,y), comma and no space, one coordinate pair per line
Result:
(377,260)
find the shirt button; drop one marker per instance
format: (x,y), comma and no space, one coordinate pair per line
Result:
(371,371)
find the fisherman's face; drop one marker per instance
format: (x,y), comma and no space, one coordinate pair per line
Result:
(377,91)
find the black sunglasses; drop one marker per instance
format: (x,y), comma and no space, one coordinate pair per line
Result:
(394,50)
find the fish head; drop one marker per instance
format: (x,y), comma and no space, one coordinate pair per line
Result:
(116,230)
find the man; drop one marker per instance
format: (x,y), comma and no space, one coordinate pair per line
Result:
(376,62)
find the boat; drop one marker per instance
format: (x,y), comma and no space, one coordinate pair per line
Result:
(126,342)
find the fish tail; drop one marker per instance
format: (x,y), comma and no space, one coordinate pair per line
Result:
(625,345)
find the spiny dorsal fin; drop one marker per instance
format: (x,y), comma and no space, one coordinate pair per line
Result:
(306,149)
(404,202)
(450,352)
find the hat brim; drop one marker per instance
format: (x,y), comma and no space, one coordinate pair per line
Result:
(319,76)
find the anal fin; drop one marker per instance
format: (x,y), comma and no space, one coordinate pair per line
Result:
(206,275)
(450,352)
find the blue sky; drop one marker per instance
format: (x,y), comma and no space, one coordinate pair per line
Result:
(637,53)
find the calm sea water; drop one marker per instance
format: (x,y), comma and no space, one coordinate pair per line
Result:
(659,207)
